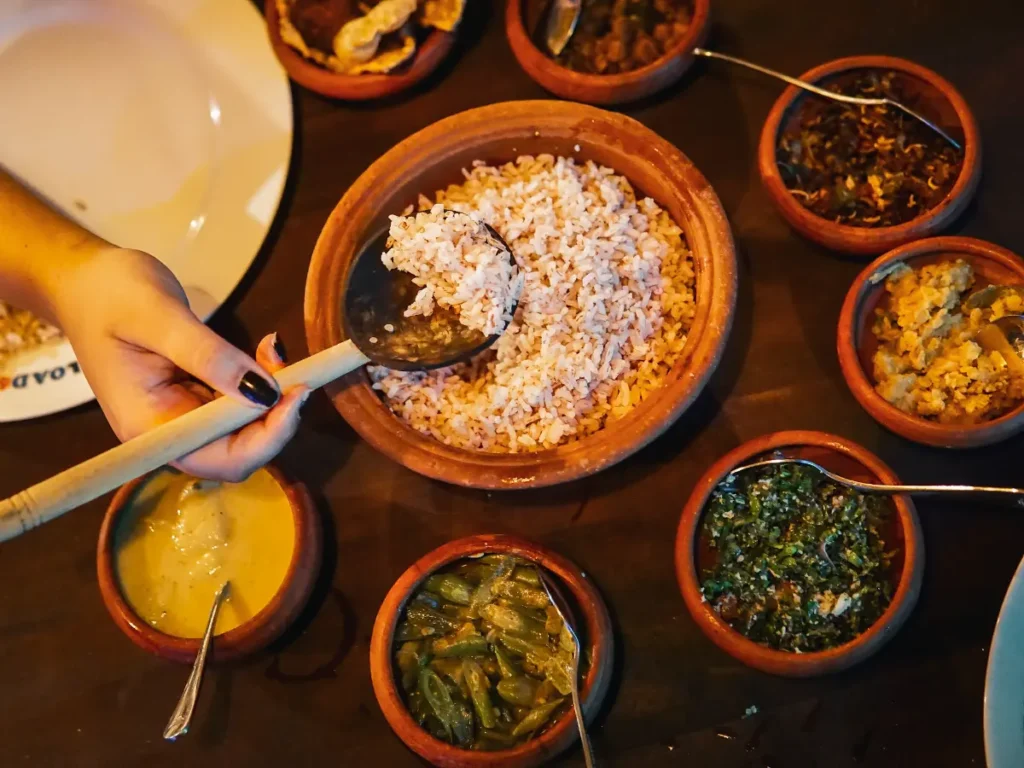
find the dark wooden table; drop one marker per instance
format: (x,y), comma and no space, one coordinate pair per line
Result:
(75,691)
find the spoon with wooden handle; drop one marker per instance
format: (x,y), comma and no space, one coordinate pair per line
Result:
(375,303)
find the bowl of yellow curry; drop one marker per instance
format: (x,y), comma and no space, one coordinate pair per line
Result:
(911,342)
(169,541)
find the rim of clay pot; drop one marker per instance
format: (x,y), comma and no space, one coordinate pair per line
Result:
(653,166)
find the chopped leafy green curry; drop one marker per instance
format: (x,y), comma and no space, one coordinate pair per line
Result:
(483,657)
(795,561)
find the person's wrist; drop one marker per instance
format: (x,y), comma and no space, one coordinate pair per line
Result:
(81,278)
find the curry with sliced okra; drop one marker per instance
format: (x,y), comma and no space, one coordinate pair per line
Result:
(484,660)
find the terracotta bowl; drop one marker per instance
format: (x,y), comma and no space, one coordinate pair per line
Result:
(856,343)
(939,101)
(257,633)
(429,55)
(843,457)
(604,89)
(596,636)
(433,158)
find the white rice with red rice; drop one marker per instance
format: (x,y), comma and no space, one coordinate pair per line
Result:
(606,305)
(458,265)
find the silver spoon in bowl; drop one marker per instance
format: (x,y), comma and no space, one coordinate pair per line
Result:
(1005,334)
(561,23)
(181,718)
(373,308)
(866,101)
(881,488)
(564,15)
(565,614)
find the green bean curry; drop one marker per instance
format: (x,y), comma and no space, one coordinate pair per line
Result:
(865,166)
(484,659)
(794,561)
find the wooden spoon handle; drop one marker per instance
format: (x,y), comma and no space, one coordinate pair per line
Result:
(161,445)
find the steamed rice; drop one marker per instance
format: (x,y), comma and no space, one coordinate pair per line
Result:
(607,301)
(458,265)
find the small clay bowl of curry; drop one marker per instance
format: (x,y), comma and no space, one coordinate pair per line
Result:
(619,52)
(444,656)
(168,542)
(432,47)
(945,391)
(790,573)
(863,180)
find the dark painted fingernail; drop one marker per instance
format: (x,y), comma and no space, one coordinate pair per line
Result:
(279,349)
(258,389)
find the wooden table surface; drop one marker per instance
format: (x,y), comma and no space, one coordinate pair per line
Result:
(75,691)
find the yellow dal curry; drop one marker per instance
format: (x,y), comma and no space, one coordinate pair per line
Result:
(179,539)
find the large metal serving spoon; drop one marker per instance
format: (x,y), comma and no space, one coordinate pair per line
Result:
(374,304)
(565,614)
(181,718)
(880,488)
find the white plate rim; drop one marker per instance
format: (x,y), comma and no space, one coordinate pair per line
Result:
(999,645)
(61,355)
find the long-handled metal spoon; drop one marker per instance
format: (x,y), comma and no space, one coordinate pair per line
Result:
(563,16)
(861,100)
(182,715)
(565,614)
(375,302)
(879,488)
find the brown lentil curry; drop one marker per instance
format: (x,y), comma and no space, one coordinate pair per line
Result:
(865,166)
(794,561)
(614,36)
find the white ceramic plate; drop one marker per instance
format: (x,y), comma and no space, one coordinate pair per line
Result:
(1004,682)
(163,125)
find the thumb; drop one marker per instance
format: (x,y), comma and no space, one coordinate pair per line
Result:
(197,350)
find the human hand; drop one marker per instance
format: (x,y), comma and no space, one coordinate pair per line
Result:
(137,343)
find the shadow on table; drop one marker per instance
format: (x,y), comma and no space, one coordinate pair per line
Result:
(714,134)
(215,723)
(312,459)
